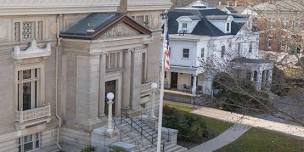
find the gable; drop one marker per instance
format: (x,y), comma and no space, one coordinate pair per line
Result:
(119,30)
(104,25)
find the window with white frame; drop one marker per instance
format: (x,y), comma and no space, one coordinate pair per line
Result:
(239,48)
(186,53)
(29,142)
(28,88)
(228,25)
(223,50)
(268,43)
(250,47)
(28,30)
(203,53)
(184,26)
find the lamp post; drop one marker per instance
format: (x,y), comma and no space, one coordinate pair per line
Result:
(110,97)
(154,87)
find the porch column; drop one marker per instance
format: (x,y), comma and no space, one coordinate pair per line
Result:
(102,73)
(259,80)
(252,75)
(194,85)
(136,79)
(270,76)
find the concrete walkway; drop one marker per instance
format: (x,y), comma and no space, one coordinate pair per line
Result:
(251,121)
(227,137)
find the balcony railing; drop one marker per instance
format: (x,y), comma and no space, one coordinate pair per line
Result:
(33,114)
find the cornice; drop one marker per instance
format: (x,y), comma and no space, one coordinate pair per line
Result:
(39,7)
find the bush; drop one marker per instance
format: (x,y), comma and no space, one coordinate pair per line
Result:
(190,126)
(88,149)
(117,149)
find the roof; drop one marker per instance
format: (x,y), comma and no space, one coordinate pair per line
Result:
(247,60)
(95,24)
(204,26)
(281,5)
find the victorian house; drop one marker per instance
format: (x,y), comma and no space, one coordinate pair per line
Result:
(206,41)
(59,58)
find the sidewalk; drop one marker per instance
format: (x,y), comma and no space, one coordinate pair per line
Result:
(227,137)
(251,121)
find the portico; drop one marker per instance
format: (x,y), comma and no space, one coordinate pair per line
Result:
(107,60)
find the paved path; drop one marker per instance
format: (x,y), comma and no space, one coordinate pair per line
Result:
(227,137)
(251,121)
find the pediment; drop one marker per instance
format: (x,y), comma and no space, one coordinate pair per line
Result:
(119,30)
(105,25)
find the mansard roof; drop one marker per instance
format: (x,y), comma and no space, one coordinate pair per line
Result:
(204,26)
(96,24)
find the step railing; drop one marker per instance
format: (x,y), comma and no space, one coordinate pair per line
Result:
(143,132)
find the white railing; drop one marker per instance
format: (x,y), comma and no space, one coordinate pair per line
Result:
(33,114)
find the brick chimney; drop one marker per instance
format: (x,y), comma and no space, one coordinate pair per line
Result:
(123,7)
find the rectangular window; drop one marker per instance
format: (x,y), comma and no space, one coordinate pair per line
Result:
(147,21)
(250,47)
(228,27)
(268,43)
(113,61)
(28,89)
(186,53)
(239,48)
(29,142)
(184,26)
(223,51)
(28,30)
(203,53)
(140,19)
(17,31)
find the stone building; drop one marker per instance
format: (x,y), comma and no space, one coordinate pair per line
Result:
(205,42)
(59,58)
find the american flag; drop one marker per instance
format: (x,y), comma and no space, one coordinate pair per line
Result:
(167,52)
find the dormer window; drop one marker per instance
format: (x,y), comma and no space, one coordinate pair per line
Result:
(228,27)
(184,26)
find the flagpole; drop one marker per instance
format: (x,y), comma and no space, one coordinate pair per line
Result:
(162,74)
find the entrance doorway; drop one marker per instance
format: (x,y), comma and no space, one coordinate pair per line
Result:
(174,79)
(110,86)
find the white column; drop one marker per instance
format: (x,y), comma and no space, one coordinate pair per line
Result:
(110,97)
(154,87)
(194,85)
(259,81)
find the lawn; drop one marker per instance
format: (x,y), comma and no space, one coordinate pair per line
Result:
(217,126)
(261,140)
(179,106)
(193,129)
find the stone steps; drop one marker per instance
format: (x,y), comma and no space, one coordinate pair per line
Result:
(129,135)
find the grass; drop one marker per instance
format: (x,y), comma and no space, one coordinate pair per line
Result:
(214,126)
(261,140)
(217,126)
(180,106)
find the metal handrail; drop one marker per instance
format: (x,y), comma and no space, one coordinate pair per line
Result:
(152,140)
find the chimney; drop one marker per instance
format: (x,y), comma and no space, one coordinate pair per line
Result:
(123,7)
(220,3)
